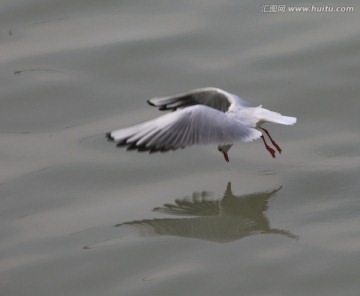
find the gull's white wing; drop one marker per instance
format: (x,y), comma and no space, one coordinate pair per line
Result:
(210,96)
(195,125)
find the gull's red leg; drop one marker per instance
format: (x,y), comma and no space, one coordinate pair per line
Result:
(272,151)
(272,141)
(226,157)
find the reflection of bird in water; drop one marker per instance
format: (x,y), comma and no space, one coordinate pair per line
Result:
(223,220)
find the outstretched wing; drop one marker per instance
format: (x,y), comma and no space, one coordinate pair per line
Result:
(210,96)
(195,125)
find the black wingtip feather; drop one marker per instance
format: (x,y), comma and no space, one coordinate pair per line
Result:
(153,150)
(134,146)
(150,103)
(143,148)
(121,143)
(109,137)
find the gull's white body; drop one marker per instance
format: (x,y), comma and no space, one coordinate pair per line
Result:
(201,116)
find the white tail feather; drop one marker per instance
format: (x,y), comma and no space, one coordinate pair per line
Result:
(265,115)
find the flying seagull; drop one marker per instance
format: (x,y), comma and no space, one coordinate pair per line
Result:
(200,117)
